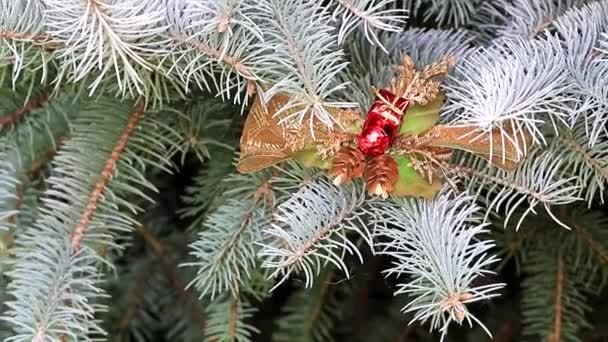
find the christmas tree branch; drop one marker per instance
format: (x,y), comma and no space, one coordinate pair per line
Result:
(227,316)
(225,250)
(479,91)
(536,181)
(312,60)
(596,248)
(235,62)
(415,233)
(580,32)
(553,275)
(447,12)
(588,162)
(377,15)
(310,225)
(104,178)
(102,158)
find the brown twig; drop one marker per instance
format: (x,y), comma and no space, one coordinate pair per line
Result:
(106,174)
(556,330)
(218,55)
(234,316)
(18,114)
(36,39)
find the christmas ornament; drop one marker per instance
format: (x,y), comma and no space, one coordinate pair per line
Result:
(399,149)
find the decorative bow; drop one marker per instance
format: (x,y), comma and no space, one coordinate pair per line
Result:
(398,148)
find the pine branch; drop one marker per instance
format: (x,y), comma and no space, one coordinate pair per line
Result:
(555,295)
(105,36)
(108,169)
(310,58)
(556,330)
(175,279)
(481,93)
(227,318)
(522,18)
(435,244)
(312,227)
(135,299)
(374,16)
(372,67)
(589,164)
(27,145)
(206,124)
(217,46)
(83,210)
(12,118)
(225,250)
(536,182)
(23,42)
(595,247)
(580,31)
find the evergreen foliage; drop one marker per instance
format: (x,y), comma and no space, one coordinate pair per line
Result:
(122,217)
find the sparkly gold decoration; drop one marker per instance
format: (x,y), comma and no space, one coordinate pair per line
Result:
(397,148)
(265,141)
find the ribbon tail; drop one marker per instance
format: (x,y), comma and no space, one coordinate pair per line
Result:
(504,149)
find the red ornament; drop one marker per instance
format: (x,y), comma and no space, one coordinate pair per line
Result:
(382,123)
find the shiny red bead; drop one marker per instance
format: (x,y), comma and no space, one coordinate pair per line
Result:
(381,125)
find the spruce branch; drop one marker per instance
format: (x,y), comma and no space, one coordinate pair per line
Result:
(84,209)
(553,278)
(537,181)
(226,322)
(556,330)
(202,126)
(589,164)
(309,55)
(217,46)
(580,31)
(136,297)
(514,84)
(12,118)
(311,229)
(588,243)
(522,18)
(104,37)
(27,144)
(435,244)
(225,251)
(373,16)
(23,42)
(108,169)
